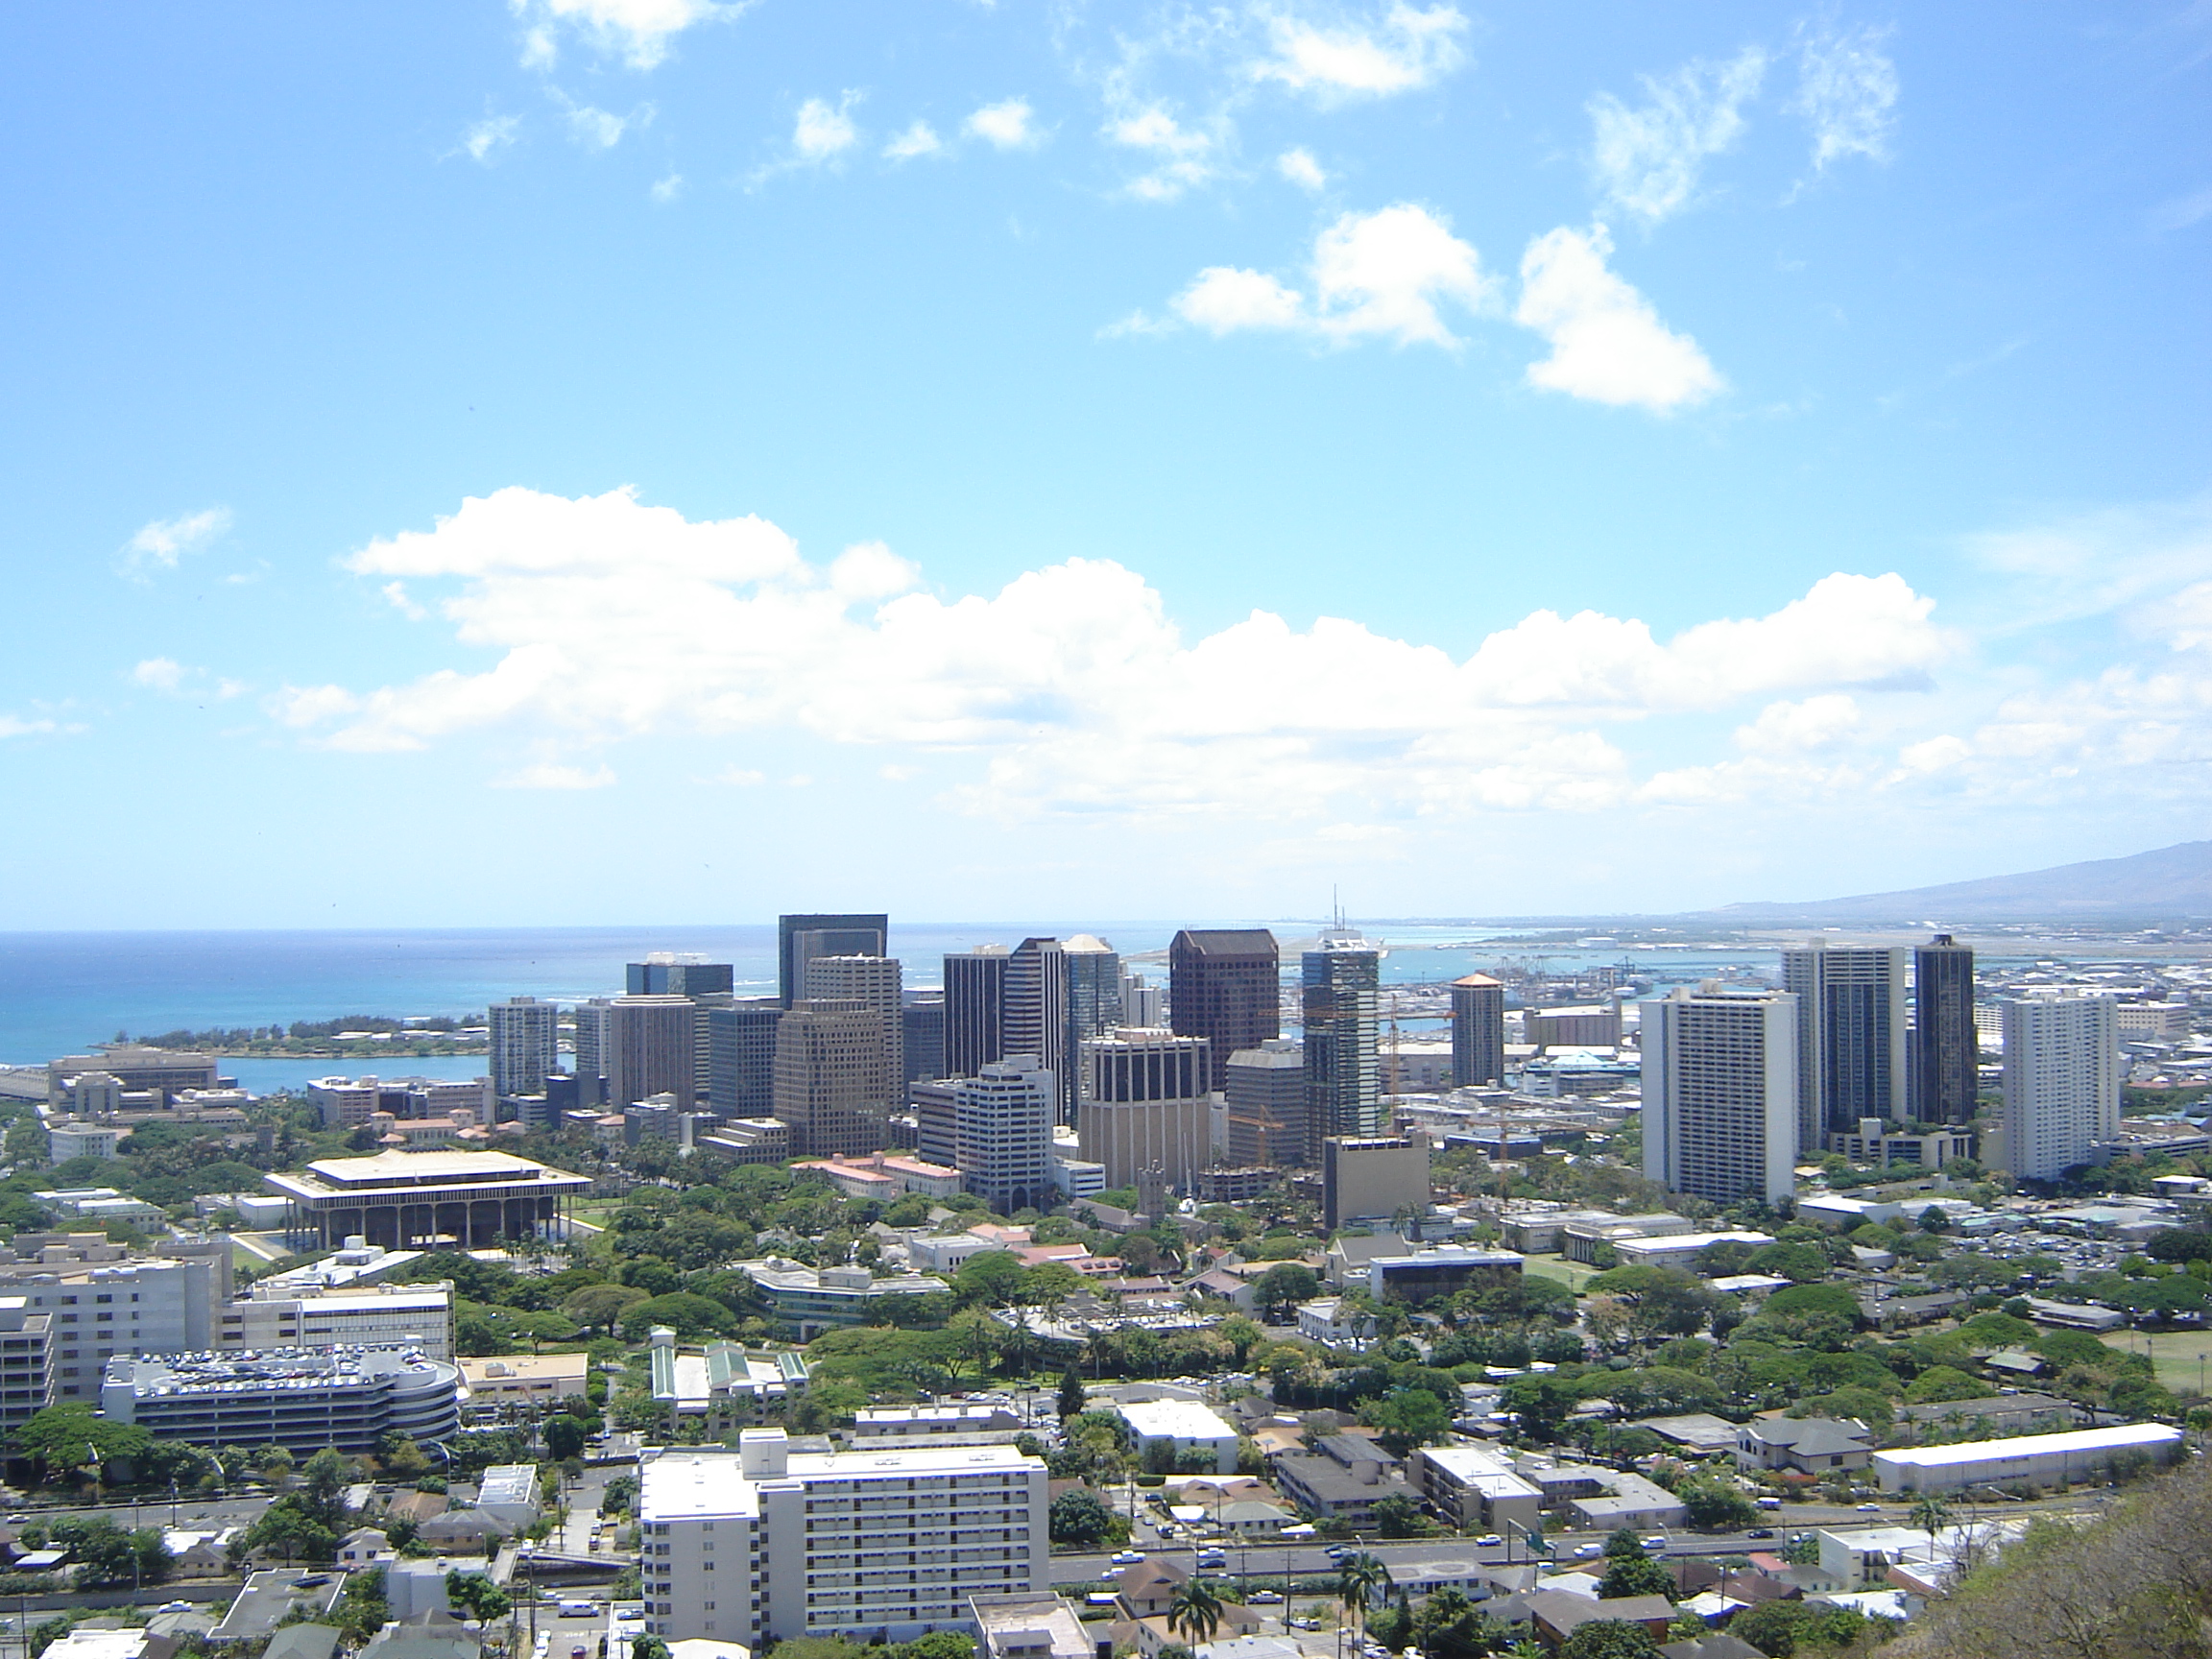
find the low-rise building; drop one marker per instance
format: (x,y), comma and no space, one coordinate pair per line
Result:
(68,1137)
(885,1424)
(725,1383)
(509,1492)
(526,1379)
(1629,1500)
(806,1301)
(1170,1434)
(1808,1445)
(884,1176)
(1471,1486)
(1343,1479)
(2040,1459)
(1423,1274)
(1038,1625)
(1335,1321)
(303,1400)
(1681,1249)
(1581,1241)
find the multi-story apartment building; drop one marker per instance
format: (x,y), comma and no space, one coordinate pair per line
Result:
(766,1544)
(1224,984)
(26,1361)
(525,1044)
(652,1049)
(1720,1097)
(2062,1077)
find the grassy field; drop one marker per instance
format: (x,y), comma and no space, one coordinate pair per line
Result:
(1573,1274)
(2174,1354)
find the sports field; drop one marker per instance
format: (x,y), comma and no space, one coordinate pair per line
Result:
(2183,1358)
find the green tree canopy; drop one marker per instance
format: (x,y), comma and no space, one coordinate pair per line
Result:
(1636,1576)
(1609,1639)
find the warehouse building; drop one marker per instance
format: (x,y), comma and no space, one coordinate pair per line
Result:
(2044,1459)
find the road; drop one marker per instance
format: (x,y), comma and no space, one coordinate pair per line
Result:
(148,1511)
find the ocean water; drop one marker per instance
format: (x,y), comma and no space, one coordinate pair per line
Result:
(60,991)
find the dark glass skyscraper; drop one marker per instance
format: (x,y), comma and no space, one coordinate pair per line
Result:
(742,1058)
(1850,1037)
(800,939)
(1946,1050)
(667,976)
(1342,983)
(1477,1030)
(1036,1022)
(1224,984)
(975,1009)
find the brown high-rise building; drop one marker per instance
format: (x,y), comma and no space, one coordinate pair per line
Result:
(1224,985)
(878,983)
(650,1048)
(833,1083)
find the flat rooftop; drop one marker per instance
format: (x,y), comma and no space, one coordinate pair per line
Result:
(678,1485)
(2118,1438)
(1174,1420)
(332,1177)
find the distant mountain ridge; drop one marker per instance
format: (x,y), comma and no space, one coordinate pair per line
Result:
(2170,882)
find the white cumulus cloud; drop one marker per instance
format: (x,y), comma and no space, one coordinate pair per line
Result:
(1403,50)
(486,138)
(161,542)
(15,726)
(1607,343)
(596,129)
(553,775)
(1183,158)
(919,139)
(1008,125)
(1381,275)
(160,674)
(1301,170)
(1847,93)
(1069,688)
(824,130)
(1647,158)
(639,30)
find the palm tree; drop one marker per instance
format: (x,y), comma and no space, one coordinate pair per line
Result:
(1931,1514)
(1362,1580)
(1194,1610)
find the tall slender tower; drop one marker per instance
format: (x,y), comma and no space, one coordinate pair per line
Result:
(652,1049)
(1037,1003)
(975,1009)
(1721,1093)
(1002,1133)
(1342,983)
(1224,984)
(1946,1049)
(1851,1038)
(1477,1030)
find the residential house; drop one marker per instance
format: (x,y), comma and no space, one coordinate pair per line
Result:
(1808,1445)
(364,1547)
(1558,1614)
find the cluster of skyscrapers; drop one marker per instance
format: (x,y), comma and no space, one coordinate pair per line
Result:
(1041,1069)
(1861,1046)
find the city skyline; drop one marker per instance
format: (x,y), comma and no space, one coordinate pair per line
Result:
(1637,462)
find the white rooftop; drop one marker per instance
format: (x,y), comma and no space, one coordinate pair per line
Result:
(2116,1438)
(1174,1420)
(679,1485)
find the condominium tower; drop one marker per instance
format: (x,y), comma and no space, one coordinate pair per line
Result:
(1477,1030)
(1342,983)
(876,982)
(1946,1049)
(2063,1077)
(1036,1019)
(1851,1038)
(525,1045)
(1719,1116)
(651,1048)
(1224,984)
(832,1085)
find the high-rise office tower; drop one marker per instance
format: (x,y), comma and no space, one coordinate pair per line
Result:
(1142,1006)
(525,1045)
(1477,1032)
(1266,1107)
(831,1085)
(591,1049)
(1946,1049)
(679,973)
(1002,1133)
(652,1049)
(1851,1038)
(923,1020)
(1143,1106)
(1343,1067)
(800,939)
(935,1102)
(2062,1077)
(975,1009)
(877,982)
(1037,1002)
(1720,1109)
(1224,984)
(1094,994)
(741,1057)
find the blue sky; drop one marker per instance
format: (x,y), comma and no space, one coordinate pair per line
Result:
(597,460)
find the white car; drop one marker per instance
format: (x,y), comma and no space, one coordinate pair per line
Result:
(1584,1552)
(1869,1509)
(1127,1557)
(1657,1541)
(1489,1541)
